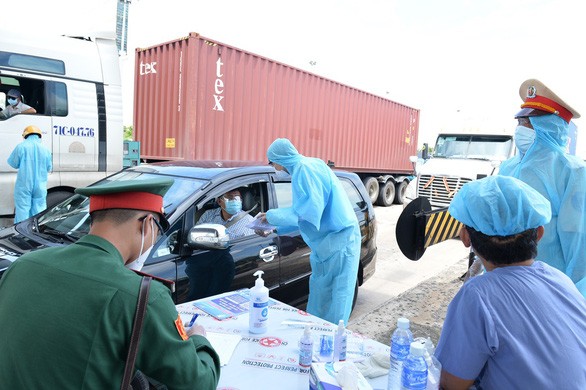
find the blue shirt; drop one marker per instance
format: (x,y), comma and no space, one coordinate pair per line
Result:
(517,327)
(237,230)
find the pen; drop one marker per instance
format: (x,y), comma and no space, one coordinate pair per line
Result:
(193,320)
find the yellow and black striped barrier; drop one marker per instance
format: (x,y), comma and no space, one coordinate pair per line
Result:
(419,227)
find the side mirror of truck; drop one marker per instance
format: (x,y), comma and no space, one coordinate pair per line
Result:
(208,236)
(495,163)
(414,160)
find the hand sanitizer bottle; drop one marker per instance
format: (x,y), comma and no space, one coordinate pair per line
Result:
(306,348)
(259,305)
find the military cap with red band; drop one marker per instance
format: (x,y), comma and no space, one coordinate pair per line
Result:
(146,195)
(540,100)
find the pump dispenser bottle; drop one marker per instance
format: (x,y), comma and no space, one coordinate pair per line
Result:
(306,348)
(259,305)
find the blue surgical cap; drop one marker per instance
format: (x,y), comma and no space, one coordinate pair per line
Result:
(500,206)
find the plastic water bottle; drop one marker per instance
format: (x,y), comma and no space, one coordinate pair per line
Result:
(340,341)
(400,343)
(414,374)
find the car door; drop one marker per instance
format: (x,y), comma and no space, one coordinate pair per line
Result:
(294,252)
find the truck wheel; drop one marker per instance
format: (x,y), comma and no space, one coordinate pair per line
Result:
(400,192)
(55,197)
(371,185)
(386,194)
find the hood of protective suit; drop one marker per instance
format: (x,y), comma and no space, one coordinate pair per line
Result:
(284,153)
(551,130)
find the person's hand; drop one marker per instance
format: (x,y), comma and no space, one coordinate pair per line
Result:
(261,217)
(263,233)
(196,330)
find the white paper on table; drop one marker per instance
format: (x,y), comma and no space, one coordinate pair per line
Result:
(224,345)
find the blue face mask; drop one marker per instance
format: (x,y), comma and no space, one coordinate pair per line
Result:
(524,138)
(11,101)
(233,206)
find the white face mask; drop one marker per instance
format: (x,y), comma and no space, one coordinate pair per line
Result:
(139,262)
(524,138)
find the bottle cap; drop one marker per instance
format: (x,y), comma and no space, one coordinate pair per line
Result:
(340,325)
(417,349)
(403,323)
(307,331)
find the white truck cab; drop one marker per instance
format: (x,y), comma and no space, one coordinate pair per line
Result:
(458,158)
(74,85)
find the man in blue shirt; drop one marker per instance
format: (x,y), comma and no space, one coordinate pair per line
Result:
(520,325)
(229,214)
(212,273)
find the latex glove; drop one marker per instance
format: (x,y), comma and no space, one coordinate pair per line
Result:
(350,378)
(375,366)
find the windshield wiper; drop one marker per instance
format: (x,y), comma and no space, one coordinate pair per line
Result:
(60,234)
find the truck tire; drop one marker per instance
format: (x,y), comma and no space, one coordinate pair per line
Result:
(57,196)
(400,192)
(386,194)
(371,185)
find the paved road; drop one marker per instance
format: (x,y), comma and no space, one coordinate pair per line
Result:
(401,287)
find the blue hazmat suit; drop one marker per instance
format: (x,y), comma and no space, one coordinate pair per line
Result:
(323,214)
(33,161)
(561,179)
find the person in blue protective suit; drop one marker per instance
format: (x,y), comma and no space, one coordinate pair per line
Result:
(520,325)
(542,162)
(326,220)
(33,161)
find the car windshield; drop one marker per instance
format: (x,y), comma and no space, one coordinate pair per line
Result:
(70,218)
(477,147)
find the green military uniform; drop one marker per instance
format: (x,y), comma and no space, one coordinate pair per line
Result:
(66,317)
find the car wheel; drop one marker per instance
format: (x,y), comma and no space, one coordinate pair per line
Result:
(57,196)
(371,185)
(386,195)
(400,192)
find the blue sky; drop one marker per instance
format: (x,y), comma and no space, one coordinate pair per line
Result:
(459,61)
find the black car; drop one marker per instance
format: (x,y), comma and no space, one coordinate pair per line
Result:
(284,258)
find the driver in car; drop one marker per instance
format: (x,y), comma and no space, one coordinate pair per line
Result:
(212,272)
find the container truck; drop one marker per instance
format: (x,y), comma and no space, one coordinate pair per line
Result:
(458,158)
(198,99)
(74,85)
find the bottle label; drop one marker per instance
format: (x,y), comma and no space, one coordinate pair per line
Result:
(399,351)
(305,354)
(413,380)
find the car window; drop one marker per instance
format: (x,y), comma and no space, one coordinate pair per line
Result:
(253,197)
(71,217)
(353,194)
(169,244)
(284,194)
(181,189)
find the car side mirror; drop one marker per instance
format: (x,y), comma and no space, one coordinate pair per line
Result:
(208,236)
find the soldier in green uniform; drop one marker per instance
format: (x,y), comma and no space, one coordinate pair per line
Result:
(66,313)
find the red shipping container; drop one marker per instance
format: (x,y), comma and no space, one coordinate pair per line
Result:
(198,99)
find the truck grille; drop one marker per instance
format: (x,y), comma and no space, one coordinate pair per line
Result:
(440,190)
